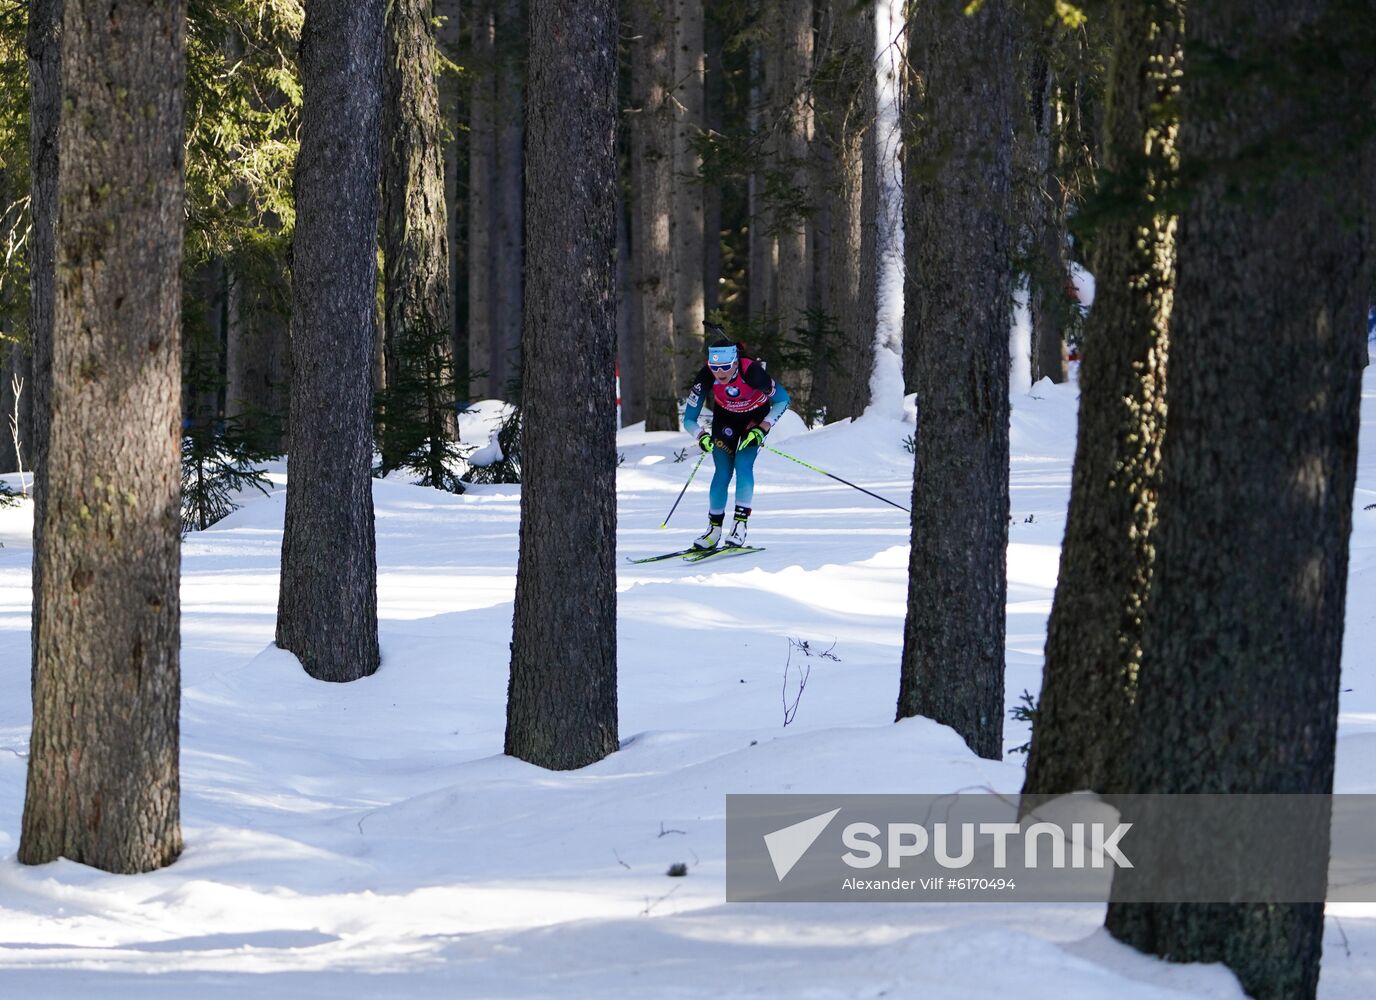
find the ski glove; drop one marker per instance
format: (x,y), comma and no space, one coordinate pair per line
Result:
(754,438)
(705,441)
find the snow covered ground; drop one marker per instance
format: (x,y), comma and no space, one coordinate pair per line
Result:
(370,840)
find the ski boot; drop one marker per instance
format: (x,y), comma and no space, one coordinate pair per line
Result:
(709,538)
(737,537)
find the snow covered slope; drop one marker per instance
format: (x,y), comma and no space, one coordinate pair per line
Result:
(370,839)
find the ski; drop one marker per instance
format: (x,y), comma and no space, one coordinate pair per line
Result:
(698,555)
(667,555)
(725,550)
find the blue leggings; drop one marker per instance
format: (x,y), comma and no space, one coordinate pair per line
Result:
(742,464)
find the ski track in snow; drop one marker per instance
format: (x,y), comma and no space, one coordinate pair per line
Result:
(370,840)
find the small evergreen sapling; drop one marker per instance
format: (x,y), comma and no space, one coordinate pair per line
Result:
(416,412)
(1024,712)
(220,455)
(219,460)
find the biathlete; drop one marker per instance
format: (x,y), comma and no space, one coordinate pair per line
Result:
(746,403)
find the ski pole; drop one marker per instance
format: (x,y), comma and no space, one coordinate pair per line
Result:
(684,490)
(837,478)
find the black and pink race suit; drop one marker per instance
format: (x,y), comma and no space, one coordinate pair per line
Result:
(745,402)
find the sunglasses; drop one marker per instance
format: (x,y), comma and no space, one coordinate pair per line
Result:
(722,368)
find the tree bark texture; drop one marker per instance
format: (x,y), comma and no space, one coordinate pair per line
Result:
(327,607)
(258,353)
(103,771)
(203,344)
(1093,648)
(561,705)
(763,246)
(630,337)
(449,38)
(482,163)
(847,110)
(1048,303)
(496,195)
(689,102)
(958,205)
(44,44)
(415,237)
(630,353)
(822,166)
(793,118)
(654,193)
(508,198)
(713,99)
(1242,641)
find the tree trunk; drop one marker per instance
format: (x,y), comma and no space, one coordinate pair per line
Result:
(689,72)
(821,178)
(1242,642)
(631,228)
(44,44)
(958,301)
(712,100)
(482,157)
(103,787)
(763,247)
(793,117)
(508,198)
(1093,646)
(630,336)
(655,190)
(327,608)
(415,247)
(258,354)
(203,345)
(449,38)
(561,706)
(846,125)
(1048,303)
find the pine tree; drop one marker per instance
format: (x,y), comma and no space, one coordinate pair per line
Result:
(688,234)
(508,198)
(479,205)
(1043,197)
(327,606)
(257,352)
(103,783)
(653,187)
(789,185)
(1093,646)
(419,403)
(561,705)
(845,127)
(959,245)
(1242,640)
(449,35)
(763,249)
